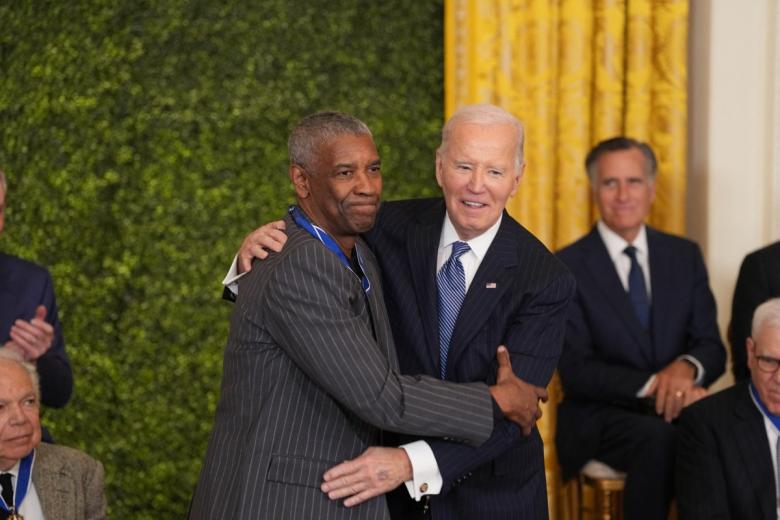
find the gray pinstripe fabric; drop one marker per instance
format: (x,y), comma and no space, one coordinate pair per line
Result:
(303,382)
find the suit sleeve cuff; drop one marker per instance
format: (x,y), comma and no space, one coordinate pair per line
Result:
(426,477)
(232,277)
(699,368)
(643,391)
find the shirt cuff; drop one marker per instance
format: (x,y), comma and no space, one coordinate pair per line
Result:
(699,368)
(426,477)
(232,277)
(643,391)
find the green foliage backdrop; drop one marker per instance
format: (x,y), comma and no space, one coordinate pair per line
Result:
(142,140)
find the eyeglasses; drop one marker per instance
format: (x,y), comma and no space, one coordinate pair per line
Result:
(767,364)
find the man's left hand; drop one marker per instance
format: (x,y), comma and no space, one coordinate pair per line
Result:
(33,338)
(375,472)
(672,384)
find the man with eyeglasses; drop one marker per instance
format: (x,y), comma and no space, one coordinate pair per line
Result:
(727,458)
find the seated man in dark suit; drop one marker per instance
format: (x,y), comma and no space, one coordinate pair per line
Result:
(40,480)
(29,324)
(759,280)
(727,456)
(515,292)
(642,339)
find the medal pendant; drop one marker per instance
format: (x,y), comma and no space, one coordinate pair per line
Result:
(15,516)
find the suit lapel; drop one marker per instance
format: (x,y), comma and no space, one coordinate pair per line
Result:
(750,438)
(422,246)
(491,281)
(377,306)
(603,272)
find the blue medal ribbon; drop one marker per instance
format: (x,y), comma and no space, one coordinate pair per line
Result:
(323,236)
(22,483)
(774,418)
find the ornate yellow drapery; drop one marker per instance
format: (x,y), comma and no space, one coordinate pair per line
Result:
(575,72)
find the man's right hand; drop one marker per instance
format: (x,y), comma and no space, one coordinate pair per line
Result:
(255,245)
(517,399)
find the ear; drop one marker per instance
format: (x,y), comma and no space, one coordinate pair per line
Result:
(439,167)
(750,345)
(300,180)
(517,179)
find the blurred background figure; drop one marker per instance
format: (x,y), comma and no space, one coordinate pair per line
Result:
(40,480)
(727,464)
(759,280)
(29,324)
(642,339)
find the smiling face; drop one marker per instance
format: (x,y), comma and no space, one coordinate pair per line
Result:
(20,427)
(341,189)
(477,171)
(623,191)
(765,344)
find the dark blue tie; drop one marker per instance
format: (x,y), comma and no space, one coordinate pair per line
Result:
(637,290)
(451,282)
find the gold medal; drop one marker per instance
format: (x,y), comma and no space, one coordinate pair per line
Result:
(15,516)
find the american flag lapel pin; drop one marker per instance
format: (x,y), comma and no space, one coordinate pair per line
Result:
(490,285)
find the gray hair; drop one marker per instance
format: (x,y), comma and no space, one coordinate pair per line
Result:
(13,357)
(484,114)
(616,144)
(314,130)
(767,315)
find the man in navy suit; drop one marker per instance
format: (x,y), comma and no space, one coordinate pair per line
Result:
(727,464)
(516,294)
(29,324)
(642,340)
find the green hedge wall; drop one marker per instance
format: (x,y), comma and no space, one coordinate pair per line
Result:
(142,140)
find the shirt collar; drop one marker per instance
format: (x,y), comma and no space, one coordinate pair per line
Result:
(478,245)
(616,244)
(13,471)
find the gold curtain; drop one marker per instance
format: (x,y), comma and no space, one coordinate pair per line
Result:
(575,72)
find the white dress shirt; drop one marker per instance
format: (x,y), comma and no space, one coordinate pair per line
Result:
(427,478)
(31,505)
(616,246)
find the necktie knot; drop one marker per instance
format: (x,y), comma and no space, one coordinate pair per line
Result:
(459,249)
(631,252)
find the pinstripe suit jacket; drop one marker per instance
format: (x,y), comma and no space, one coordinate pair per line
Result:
(724,464)
(69,484)
(519,298)
(306,384)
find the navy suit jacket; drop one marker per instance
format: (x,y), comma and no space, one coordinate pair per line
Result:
(607,355)
(23,286)
(759,280)
(724,465)
(518,298)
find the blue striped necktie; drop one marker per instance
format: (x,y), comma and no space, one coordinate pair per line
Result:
(451,282)
(637,290)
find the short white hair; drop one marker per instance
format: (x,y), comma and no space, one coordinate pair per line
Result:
(484,114)
(767,315)
(14,358)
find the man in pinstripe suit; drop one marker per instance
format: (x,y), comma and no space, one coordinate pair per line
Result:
(310,370)
(517,295)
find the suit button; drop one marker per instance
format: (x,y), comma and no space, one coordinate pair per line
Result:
(424,487)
